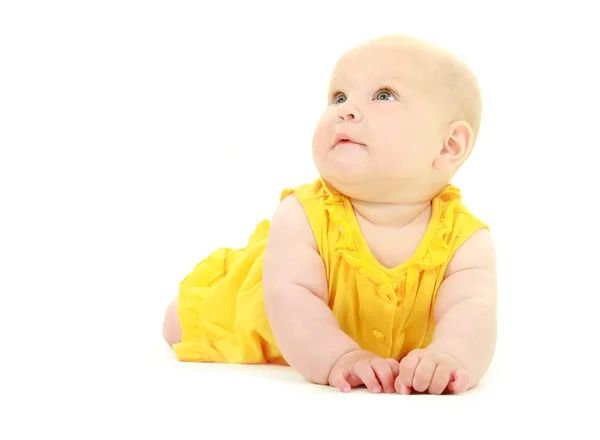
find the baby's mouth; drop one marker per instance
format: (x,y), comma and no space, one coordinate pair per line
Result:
(342,139)
(344,142)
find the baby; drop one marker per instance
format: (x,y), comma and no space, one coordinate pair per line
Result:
(376,274)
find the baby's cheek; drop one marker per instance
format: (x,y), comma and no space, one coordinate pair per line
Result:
(399,161)
(321,137)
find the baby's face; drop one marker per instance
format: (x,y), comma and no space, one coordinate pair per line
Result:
(380,101)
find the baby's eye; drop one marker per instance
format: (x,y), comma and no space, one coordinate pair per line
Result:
(384,95)
(340,98)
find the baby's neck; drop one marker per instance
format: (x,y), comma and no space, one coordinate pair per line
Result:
(391,215)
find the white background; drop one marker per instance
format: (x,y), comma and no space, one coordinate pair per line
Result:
(138,136)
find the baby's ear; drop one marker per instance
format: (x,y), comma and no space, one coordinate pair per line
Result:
(457,145)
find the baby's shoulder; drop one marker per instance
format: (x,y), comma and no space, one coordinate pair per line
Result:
(289,223)
(477,250)
(307,191)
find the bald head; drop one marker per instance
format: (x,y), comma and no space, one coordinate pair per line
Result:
(436,72)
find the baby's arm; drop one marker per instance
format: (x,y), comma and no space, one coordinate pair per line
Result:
(296,294)
(466,306)
(464,340)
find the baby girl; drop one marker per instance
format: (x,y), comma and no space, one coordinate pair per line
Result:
(376,274)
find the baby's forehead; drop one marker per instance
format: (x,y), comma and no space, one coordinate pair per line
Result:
(405,64)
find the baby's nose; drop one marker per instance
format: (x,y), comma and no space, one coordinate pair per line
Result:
(348,114)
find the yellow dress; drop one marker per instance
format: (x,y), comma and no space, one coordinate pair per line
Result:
(386,311)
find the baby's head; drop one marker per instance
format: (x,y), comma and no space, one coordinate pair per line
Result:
(413,111)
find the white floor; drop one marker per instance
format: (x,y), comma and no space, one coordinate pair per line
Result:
(144,391)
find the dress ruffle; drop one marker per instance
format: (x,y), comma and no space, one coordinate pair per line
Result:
(436,251)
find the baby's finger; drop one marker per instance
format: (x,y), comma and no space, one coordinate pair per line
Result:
(354,381)
(395,366)
(408,366)
(364,371)
(385,375)
(423,375)
(401,388)
(459,381)
(441,378)
(339,379)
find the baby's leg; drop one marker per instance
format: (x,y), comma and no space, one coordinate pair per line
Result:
(171,325)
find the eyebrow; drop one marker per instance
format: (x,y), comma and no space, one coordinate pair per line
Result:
(391,81)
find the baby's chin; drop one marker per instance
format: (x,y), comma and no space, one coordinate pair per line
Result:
(341,168)
(347,177)
(345,161)
(360,179)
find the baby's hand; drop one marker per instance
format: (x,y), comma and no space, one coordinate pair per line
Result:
(433,371)
(363,367)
